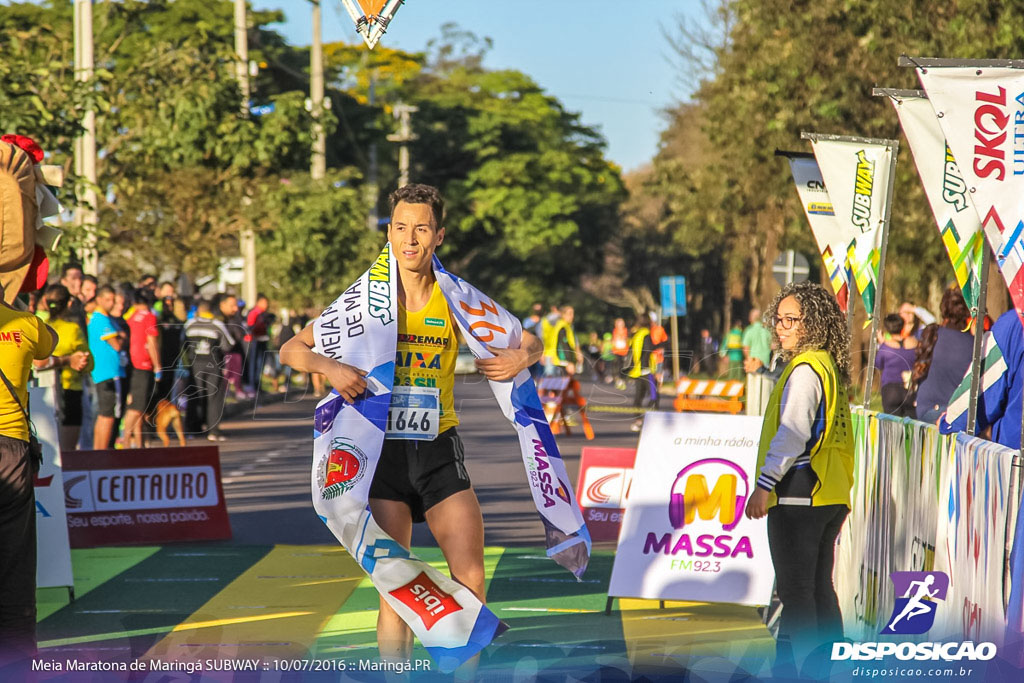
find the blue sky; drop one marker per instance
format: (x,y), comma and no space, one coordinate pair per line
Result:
(605,59)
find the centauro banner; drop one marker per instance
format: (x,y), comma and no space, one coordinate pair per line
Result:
(833,237)
(857,176)
(955,215)
(981,112)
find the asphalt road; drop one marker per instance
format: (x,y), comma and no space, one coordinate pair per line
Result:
(265,465)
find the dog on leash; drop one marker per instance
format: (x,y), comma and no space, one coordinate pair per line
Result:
(167,414)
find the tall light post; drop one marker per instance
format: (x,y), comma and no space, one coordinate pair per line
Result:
(85,144)
(247,238)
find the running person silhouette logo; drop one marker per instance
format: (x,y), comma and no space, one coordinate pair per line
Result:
(916,593)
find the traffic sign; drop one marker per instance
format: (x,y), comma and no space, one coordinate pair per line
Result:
(673,296)
(791,266)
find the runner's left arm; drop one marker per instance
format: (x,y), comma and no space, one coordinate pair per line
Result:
(507,363)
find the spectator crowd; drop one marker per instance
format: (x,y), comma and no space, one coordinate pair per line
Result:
(128,352)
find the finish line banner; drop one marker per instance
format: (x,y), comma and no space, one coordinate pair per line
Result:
(684,535)
(981,112)
(832,239)
(152,495)
(857,177)
(955,214)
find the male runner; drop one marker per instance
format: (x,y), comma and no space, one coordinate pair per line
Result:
(419,480)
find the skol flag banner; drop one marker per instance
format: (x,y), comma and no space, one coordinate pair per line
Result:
(955,215)
(857,177)
(981,112)
(833,240)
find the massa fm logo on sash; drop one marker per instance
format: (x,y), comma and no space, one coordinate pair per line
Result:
(380,287)
(691,501)
(544,480)
(426,599)
(862,190)
(340,469)
(954,189)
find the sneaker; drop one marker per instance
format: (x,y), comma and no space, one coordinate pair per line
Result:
(635,427)
(216,437)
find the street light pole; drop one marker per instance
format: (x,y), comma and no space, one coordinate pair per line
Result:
(85,145)
(318,159)
(247,238)
(403,112)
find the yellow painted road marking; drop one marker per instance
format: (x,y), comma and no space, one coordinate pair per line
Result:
(683,629)
(275,609)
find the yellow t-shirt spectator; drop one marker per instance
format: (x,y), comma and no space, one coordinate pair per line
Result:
(70,339)
(23,338)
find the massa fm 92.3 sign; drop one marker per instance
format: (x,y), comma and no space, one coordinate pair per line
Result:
(684,535)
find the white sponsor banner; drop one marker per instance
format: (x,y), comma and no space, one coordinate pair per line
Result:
(53,550)
(684,536)
(606,487)
(142,489)
(833,236)
(857,177)
(944,185)
(981,112)
(971,540)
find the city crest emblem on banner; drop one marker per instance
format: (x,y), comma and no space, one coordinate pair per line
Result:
(340,469)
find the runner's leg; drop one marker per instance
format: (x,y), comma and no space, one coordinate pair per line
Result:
(394,638)
(458,526)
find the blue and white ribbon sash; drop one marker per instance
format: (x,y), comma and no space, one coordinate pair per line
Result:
(361,329)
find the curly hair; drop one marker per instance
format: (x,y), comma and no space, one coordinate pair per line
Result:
(823,325)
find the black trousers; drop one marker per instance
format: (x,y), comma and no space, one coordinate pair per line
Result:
(17,555)
(802,542)
(208,388)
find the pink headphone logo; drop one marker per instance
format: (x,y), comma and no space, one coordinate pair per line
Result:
(690,495)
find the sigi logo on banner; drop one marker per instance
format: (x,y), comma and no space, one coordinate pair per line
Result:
(690,497)
(914,614)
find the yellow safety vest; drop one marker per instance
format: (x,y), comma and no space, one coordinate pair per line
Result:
(637,344)
(832,456)
(570,337)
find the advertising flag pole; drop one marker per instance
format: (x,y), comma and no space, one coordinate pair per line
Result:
(877,312)
(977,362)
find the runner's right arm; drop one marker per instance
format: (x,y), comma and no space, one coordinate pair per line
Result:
(298,354)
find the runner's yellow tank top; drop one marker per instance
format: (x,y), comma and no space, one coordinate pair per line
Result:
(428,346)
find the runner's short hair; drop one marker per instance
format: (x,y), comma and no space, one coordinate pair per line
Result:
(416,193)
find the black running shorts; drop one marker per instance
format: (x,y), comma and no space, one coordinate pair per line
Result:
(108,397)
(140,389)
(421,473)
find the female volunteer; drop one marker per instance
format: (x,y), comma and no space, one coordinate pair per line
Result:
(805,462)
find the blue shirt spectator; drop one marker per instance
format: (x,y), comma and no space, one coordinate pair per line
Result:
(107,360)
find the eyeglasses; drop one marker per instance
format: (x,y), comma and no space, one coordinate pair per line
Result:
(787,322)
